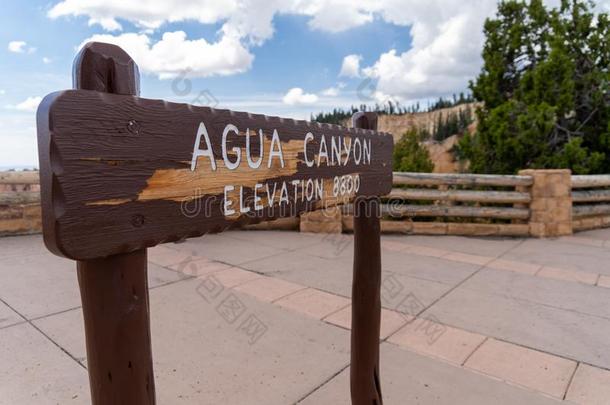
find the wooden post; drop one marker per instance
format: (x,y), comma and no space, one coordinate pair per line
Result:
(366,295)
(114,289)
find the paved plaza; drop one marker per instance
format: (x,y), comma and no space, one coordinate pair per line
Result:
(263,317)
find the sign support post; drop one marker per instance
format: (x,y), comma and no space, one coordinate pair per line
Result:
(366,296)
(117,170)
(114,289)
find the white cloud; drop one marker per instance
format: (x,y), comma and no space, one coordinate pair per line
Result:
(174,54)
(2,92)
(296,96)
(29,104)
(446,35)
(46,60)
(331,92)
(17,46)
(445,53)
(350,66)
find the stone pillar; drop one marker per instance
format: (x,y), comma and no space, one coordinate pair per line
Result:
(551,206)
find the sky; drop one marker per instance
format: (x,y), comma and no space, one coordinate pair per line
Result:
(289,58)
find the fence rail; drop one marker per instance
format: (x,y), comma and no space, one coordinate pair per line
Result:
(19,203)
(590,201)
(469,204)
(419,203)
(438,179)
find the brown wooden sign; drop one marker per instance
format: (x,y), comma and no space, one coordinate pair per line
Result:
(121,173)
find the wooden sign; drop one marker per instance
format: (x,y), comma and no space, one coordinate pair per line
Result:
(121,173)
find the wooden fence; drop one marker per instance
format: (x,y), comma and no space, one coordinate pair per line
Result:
(19,203)
(462,204)
(420,203)
(590,202)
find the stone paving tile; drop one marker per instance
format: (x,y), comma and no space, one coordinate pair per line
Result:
(35,371)
(410,295)
(165,256)
(391,321)
(529,368)
(410,378)
(314,303)
(468,258)
(158,276)
(392,245)
(590,386)
(199,267)
(604,281)
(583,277)
(582,240)
(233,277)
(8,317)
(426,267)
(324,274)
(602,234)
(569,256)
(225,249)
(425,251)
(485,246)
(38,285)
(562,332)
(514,266)
(334,246)
(200,357)
(68,329)
(569,296)
(287,240)
(433,339)
(269,289)
(11,246)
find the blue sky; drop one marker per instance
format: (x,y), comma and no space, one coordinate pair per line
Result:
(279,57)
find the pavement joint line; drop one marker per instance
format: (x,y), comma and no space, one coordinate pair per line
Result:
(565,394)
(475,349)
(336,311)
(12,324)
(63,311)
(29,322)
(259,258)
(599,277)
(289,294)
(332,377)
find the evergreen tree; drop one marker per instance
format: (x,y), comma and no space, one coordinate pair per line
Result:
(410,155)
(545,88)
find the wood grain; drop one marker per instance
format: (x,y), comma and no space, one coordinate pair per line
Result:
(121,170)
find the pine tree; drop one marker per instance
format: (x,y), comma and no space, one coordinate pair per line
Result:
(545,86)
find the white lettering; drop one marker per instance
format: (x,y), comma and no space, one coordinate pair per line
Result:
(357,155)
(251,163)
(230,165)
(323,151)
(228,203)
(347,150)
(284,194)
(257,205)
(271,196)
(308,137)
(275,142)
(335,148)
(202,131)
(367,151)
(242,208)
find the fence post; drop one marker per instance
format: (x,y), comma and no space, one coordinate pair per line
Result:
(551,205)
(114,290)
(366,295)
